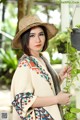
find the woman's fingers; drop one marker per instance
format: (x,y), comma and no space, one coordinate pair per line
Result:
(63,97)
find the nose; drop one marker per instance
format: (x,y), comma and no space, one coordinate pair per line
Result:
(38,39)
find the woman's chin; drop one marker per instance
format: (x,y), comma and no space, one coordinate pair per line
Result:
(38,49)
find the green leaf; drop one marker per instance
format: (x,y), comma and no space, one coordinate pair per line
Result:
(78,70)
(69,116)
(74,110)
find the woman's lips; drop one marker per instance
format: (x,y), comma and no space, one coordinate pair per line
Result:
(38,45)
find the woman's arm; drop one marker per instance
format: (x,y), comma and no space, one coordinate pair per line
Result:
(61,98)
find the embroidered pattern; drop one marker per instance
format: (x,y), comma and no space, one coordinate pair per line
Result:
(42,114)
(20,101)
(42,71)
(34,65)
(23,99)
(30,116)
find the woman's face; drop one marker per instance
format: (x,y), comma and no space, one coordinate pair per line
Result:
(36,39)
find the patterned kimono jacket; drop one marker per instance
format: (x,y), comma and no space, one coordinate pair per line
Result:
(31,80)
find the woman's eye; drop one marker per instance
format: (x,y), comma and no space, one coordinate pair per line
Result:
(41,34)
(31,36)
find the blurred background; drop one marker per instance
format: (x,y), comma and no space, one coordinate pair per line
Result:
(64,14)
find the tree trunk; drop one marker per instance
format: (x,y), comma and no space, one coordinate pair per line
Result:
(21,11)
(46,10)
(28,6)
(24,7)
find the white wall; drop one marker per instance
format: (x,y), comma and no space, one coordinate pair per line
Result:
(76,14)
(64,16)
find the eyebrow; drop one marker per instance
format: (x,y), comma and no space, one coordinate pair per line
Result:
(34,33)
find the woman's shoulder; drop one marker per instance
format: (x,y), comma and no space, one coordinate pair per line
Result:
(23,66)
(24,57)
(24,60)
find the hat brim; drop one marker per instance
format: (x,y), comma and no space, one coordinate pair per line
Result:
(51,31)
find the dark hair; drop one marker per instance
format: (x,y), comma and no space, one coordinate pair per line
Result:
(24,39)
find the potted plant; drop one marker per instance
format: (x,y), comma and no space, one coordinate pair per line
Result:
(59,42)
(75,38)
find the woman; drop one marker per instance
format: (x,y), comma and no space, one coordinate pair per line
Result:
(32,89)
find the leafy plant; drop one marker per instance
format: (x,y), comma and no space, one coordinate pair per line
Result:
(8,64)
(63,41)
(73,60)
(56,61)
(59,42)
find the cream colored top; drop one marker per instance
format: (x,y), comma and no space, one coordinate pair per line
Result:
(31,80)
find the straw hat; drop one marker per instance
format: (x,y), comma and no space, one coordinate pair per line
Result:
(28,22)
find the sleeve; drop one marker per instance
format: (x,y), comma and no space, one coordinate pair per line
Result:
(22,90)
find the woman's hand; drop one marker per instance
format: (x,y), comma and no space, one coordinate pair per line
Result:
(63,98)
(65,72)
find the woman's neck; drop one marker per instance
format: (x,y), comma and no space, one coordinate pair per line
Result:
(35,54)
